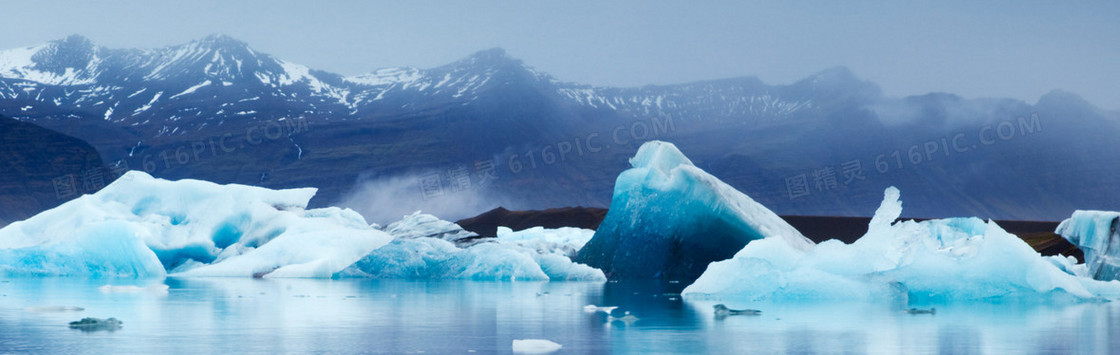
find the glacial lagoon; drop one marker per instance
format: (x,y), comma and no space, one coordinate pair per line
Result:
(234,315)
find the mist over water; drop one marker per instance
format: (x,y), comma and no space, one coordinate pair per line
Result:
(385,200)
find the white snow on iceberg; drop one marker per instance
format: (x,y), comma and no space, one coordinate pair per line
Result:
(670,219)
(922,262)
(140,226)
(1097,234)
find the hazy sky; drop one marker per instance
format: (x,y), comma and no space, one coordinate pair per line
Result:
(1019,49)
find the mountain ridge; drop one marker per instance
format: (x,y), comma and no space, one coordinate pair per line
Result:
(216,109)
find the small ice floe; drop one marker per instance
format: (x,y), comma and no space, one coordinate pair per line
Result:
(626,318)
(157,288)
(723,311)
(55,309)
(921,311)
(535,346)
(90,324)
(593,308)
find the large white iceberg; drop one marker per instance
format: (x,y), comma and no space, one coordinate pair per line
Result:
(1097,234)
(140,226)
(668,219)
(922,262)
(422,252)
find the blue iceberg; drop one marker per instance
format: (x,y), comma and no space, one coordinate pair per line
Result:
(423,248)
(916,262)
(143,227)
(1097,234)
(140,226)
(669,219)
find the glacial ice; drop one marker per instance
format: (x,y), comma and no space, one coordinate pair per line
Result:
(564,241)
(1097,234)
(419,224)
(535,346)
(426,247)
(432,258)
(924,262)
(140,226)
(669,219)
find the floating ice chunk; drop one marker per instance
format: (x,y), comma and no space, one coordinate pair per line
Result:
(593,308)
(423,249)
(140,226)
(564,241)
(1097,234)
(931,261)
(669,219)
(90,324)
(535,346)
(626,318)
(419,225)
(721,310)
(431,258)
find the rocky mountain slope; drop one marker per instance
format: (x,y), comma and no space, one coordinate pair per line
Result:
(491,129)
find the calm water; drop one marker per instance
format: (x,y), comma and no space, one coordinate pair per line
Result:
(450,317)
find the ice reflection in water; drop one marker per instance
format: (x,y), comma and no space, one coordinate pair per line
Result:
(350,316)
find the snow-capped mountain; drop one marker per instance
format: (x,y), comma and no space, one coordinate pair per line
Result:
(199,83)
(181,88)
(218,110)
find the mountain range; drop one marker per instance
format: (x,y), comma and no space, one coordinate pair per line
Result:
(489,130)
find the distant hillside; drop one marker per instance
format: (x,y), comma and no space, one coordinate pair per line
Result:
(44,168)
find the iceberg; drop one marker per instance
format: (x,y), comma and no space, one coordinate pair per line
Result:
(566,241)
(932,261)
(427,248)
(434,258)
(419,224)
(669,219)
(140,226)
(1097,234)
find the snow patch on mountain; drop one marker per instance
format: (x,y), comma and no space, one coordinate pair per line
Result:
(386,76)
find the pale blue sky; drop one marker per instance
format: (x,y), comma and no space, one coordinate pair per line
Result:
(1019,49)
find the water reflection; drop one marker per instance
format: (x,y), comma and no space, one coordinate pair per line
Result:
(348,316)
